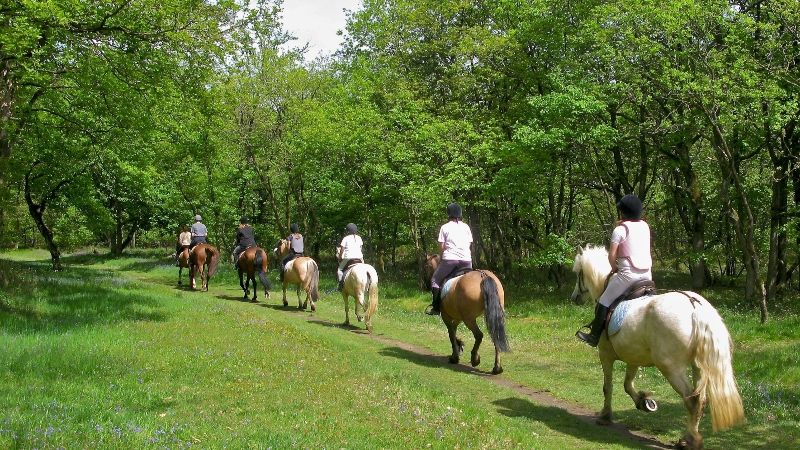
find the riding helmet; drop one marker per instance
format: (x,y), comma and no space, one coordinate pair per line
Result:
(294,228)
(351,228)
(244,220)
(454,211)
(630,207)
(197,218)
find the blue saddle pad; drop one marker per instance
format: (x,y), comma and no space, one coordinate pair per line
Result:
(449,284)
(618,316)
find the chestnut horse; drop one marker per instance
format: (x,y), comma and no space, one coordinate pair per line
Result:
(674,331)
(301,272)
(465,298)
(252,261)
(203,256)
(361,281)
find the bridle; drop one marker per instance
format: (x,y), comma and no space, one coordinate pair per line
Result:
(582,289)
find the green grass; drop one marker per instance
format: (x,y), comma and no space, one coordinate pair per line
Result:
(111,354)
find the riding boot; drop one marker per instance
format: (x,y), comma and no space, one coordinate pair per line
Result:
(597,325)
(433,310)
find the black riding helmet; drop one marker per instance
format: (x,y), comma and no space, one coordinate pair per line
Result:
(294,228)
(454,211)
(630,207)
(244,220)
(351,228)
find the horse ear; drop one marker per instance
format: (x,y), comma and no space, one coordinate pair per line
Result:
(580,250)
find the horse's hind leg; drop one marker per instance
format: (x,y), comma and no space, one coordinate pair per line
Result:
(475,358)
(346,309)
(285,302)
(451,331)
(241,283)
(679,380)
(255,287)
(641,399)
(180,274)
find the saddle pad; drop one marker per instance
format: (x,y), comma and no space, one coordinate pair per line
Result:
(449,284)
(618,316)
(288,266)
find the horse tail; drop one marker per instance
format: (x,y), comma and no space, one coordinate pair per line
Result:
(713,357)
(212,255)
(258,265)
(372,291)
(494,314)
(312,287)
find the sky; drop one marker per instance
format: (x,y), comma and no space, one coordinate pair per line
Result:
(316,22)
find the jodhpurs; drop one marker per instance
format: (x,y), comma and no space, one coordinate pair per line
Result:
(445,268)
(620,282)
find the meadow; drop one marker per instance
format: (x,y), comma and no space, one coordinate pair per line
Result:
(111,353)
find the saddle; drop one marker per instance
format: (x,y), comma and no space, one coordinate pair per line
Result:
(640,288)
(352,262)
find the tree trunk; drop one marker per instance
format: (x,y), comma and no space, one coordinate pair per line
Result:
(741,215)
(37,213)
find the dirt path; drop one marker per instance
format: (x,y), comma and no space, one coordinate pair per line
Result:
(540,397)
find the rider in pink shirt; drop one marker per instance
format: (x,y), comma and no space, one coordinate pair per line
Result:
(629,255)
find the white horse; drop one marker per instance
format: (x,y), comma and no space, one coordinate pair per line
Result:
(672,331)
(361,282)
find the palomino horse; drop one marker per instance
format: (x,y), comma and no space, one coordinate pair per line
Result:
(361,281)
(467,296)
(301,272)
(253,261)
(183,263)
(201,257)
(672,331)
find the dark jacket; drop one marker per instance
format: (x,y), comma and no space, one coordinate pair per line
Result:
(245,237)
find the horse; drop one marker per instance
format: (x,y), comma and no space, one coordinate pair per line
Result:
(183,262)
(252,261)
(361,281)
(203,256)
(302,272)
(466,297)
(672,331)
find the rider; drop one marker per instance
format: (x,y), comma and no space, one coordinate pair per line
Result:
(245,238)
(183,242)
(199,232)
(455,238)
(296,247)
(348,250)
(629,255)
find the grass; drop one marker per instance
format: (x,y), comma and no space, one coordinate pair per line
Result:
(111,354)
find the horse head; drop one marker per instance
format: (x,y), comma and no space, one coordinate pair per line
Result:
(592,267)
(281,248)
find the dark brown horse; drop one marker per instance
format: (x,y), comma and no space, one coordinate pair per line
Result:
(203,256)
(302,272)
(467,296)
(253,261)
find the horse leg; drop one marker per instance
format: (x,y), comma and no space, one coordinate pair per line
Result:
(360,302)
(475,358)
(607,362)
(300,304)
(255,287)
(451,331)
(241,283)
(346,308)
(285,303)
(180,274)
(641,399)
(679,380)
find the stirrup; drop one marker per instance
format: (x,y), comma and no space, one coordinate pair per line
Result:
(588,338)
(431,311)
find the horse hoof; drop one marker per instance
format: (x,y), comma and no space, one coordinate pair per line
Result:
(475,361)
(650,405)
(605,421)
(285,303)
(369,328)
(453,360)
(360,318)
(497,371)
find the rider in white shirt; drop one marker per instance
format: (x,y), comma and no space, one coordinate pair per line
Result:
(455,238)
(629,255)
(349,250)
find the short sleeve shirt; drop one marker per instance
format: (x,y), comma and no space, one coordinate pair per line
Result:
(198,229)
(351,247)
(456,237)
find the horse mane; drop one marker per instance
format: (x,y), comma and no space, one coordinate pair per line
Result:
(593,261)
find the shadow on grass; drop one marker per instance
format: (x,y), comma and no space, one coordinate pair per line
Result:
(564,422)
(34,299)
